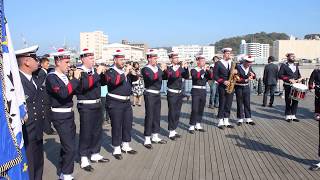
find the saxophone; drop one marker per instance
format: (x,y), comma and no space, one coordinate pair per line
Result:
(233,78)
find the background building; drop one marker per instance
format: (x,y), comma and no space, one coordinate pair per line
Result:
(140,45)
(132,53)
(94,41)
(260,52)
(303,49)
(163,56)
(188,52)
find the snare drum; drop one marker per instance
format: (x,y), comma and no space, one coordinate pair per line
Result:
(298,91)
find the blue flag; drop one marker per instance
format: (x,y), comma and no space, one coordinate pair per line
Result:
(13,162)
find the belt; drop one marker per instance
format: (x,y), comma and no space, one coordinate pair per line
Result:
(89,101)
(174,91)
(153,91)
(199,87)
(119,97)
(238,84)
(61,110)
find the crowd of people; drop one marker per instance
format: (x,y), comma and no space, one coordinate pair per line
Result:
(50,97)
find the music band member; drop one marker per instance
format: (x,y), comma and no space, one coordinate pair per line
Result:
(314,83)
(61,91)
(200,76)
(222,72)
(119,81)
(152,76)
(90,111)
(242,90)
(290,74)
(175,73)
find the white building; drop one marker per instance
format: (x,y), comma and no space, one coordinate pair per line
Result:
(94,41)
(132,53)
(163,55)
(260,52)
(188,52)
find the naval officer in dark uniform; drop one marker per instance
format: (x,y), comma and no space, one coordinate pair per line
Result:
(290,74)
(222,71)
(242,90)
(200,76)
(119,80)
(61,91)
(152,76)
(175,73)
(314,83)
(33,128)
(41,75)
(90,110)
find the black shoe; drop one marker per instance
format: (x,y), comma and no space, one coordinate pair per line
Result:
(270,105)
(130,152)
(314,168)
(230,126)
(173,138)
(159,142)
(239,123)
(148,146)
(88,168)
(103,160)
(177,136)
(289,120)
(263,105)
(201,130)
(296,120)
(251,123)
(221,127)
(191,131)
(118,156)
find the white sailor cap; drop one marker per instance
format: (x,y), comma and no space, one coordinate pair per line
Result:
(173,53)
(200,56)
(61,54)
(248,58)
(289,53)
(152,53)
(118,53)
(86,52)
(29,51)
(226,50)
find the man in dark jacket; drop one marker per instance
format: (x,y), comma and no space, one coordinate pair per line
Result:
(34,93)
(270,79)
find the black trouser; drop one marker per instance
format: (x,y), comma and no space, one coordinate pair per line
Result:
(121,120)
(66,128)
(90,129)
(225,102)
(291,105)
(267,89)
(47,128)
(153,110)
(243,102)
(197,107)
(174,106)
(319,141)
(317,100)
(34,152)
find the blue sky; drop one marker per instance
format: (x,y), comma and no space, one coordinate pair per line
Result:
(157,22)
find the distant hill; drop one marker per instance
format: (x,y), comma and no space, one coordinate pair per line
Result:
(262,37)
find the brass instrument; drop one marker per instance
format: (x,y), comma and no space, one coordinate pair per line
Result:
(233,78)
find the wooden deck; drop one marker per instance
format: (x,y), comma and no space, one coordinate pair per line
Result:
(273,149)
